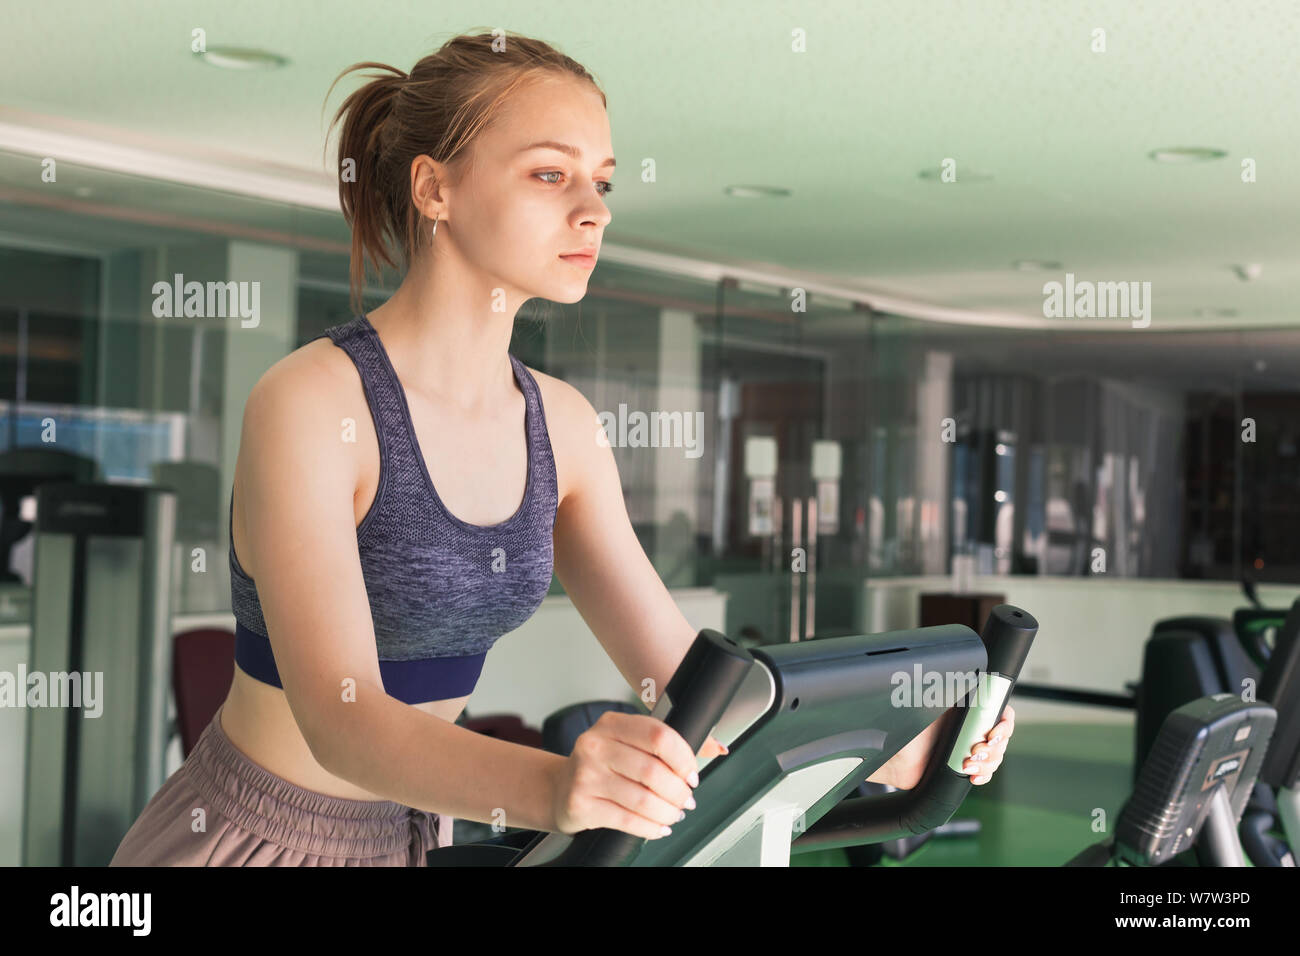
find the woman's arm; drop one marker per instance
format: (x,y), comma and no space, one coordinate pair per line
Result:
(600,562)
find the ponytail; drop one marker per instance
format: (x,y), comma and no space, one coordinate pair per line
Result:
(361,171)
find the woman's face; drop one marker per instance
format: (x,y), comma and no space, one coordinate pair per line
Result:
(518,210)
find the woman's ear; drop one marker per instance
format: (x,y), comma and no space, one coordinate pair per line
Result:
(429,188)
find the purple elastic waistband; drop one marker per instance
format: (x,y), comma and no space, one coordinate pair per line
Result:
(412,682)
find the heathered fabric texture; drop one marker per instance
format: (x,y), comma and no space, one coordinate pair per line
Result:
(438,586)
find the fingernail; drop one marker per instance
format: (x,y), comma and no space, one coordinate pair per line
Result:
(981,779)
(665,831)
(997,737)
(690,803)
(981,756)
(681,816)
(724,749)
(693,779)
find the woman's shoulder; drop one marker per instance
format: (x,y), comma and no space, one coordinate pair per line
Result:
(567,409)
(559,394)
(301,399)
(291,427)
(317,368)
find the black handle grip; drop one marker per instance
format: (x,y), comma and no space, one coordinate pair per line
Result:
(698,694)
(1008,634)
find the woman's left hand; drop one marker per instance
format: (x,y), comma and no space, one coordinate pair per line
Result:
(711,748)
(985,758)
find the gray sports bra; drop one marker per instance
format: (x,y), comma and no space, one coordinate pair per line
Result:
(441,591)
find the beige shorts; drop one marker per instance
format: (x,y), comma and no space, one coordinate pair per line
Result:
(221,809)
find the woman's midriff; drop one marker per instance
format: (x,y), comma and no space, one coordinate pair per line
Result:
(256,716)
(257,719)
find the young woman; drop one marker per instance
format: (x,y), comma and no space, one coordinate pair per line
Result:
(403,489)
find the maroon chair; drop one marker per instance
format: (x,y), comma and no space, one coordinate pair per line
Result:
(203,665)
(509,727)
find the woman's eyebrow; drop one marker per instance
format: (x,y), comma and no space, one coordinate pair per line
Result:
(564,148)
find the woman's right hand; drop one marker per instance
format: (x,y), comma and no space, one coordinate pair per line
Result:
(628,772)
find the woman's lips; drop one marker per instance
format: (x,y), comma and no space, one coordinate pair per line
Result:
(586,262)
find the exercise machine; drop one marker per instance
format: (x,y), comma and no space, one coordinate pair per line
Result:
(1191,657)
(1280,686)
(101,631)
(805,724)
(1193,787)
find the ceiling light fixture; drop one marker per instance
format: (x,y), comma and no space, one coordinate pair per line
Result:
(935,175)
(241,58)
(1186,154)
(756,192)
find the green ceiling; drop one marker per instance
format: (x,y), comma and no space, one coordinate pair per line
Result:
(714,92)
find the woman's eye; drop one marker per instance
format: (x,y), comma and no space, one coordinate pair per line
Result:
(609,187)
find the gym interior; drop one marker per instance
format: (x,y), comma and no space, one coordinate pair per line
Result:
(907,312)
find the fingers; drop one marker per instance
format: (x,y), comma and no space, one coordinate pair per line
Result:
(646,772)
(1000,733)
(649,769)
(647,789)
(982,763)
(631,807)
(657,738)
(1004,727)
(615,816)
(986,757)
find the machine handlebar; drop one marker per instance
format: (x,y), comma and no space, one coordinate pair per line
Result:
(1008,635)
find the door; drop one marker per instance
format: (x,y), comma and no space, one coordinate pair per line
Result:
(791,474)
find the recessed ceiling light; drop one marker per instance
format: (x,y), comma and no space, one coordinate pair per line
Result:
(1037,265)
(935,175)
(242,58)
(1215,313)
(1186,154)
(756,192)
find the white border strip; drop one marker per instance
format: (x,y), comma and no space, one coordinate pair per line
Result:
(222,173)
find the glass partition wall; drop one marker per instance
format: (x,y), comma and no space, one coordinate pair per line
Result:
(777,444)
(1130,453)
(791,369)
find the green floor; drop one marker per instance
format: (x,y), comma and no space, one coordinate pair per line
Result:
(1039,808)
